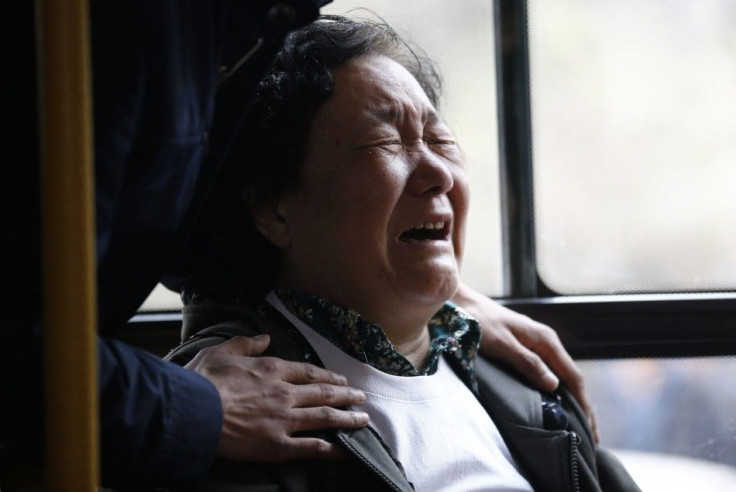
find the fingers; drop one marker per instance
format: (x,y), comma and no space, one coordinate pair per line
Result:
(322,418)
(536,371)
(582,398)
(574,381)
(303,373)
(547,344)
(526,362)
(315,395)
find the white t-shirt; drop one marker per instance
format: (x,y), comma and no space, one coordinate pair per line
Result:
(433,424)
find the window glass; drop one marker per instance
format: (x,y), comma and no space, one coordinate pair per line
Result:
(634,144)
(161,299)
(671,421)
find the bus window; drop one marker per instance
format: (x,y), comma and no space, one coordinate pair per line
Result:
(161,299)
(632,116)
(617,119)
(665,414)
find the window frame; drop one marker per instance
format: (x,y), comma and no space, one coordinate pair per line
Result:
(601,326)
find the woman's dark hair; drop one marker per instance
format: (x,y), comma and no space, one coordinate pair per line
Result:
(300,80)
(266,158)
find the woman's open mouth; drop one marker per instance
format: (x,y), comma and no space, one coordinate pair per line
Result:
(426,231)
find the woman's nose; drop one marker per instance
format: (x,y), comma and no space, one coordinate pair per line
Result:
(430,174)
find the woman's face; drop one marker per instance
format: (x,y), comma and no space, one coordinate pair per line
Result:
(378,219)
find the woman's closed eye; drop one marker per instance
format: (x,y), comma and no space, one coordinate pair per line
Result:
(390,144)
(438,136)
(395,144)
(445,146)
(440,141)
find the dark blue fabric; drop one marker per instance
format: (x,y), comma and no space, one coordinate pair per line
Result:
(155,68)
(159,424)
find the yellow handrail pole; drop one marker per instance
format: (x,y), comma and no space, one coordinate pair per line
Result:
(69,280)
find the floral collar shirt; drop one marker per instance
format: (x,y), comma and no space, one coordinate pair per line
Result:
(451,330)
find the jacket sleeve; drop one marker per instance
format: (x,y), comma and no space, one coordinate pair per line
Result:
(159,422)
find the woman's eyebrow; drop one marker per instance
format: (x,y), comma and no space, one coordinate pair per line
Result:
(391,113)
(384,114)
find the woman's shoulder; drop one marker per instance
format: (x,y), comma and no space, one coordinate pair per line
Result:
(212,323)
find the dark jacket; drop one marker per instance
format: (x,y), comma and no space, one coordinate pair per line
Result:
(556,452)
(159,141)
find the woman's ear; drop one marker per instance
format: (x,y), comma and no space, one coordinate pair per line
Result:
(271,221)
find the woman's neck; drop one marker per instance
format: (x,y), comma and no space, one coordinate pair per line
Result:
(406,328)
(405,324)
(414,349)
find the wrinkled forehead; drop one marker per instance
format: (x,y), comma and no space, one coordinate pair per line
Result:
(383,84)
(383,88)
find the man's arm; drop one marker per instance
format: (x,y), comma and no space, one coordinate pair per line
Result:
(147,411)
(159,423)
(163,424)
(244,408)
(532,348)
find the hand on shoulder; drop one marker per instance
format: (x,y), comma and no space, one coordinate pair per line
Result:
(266,400)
